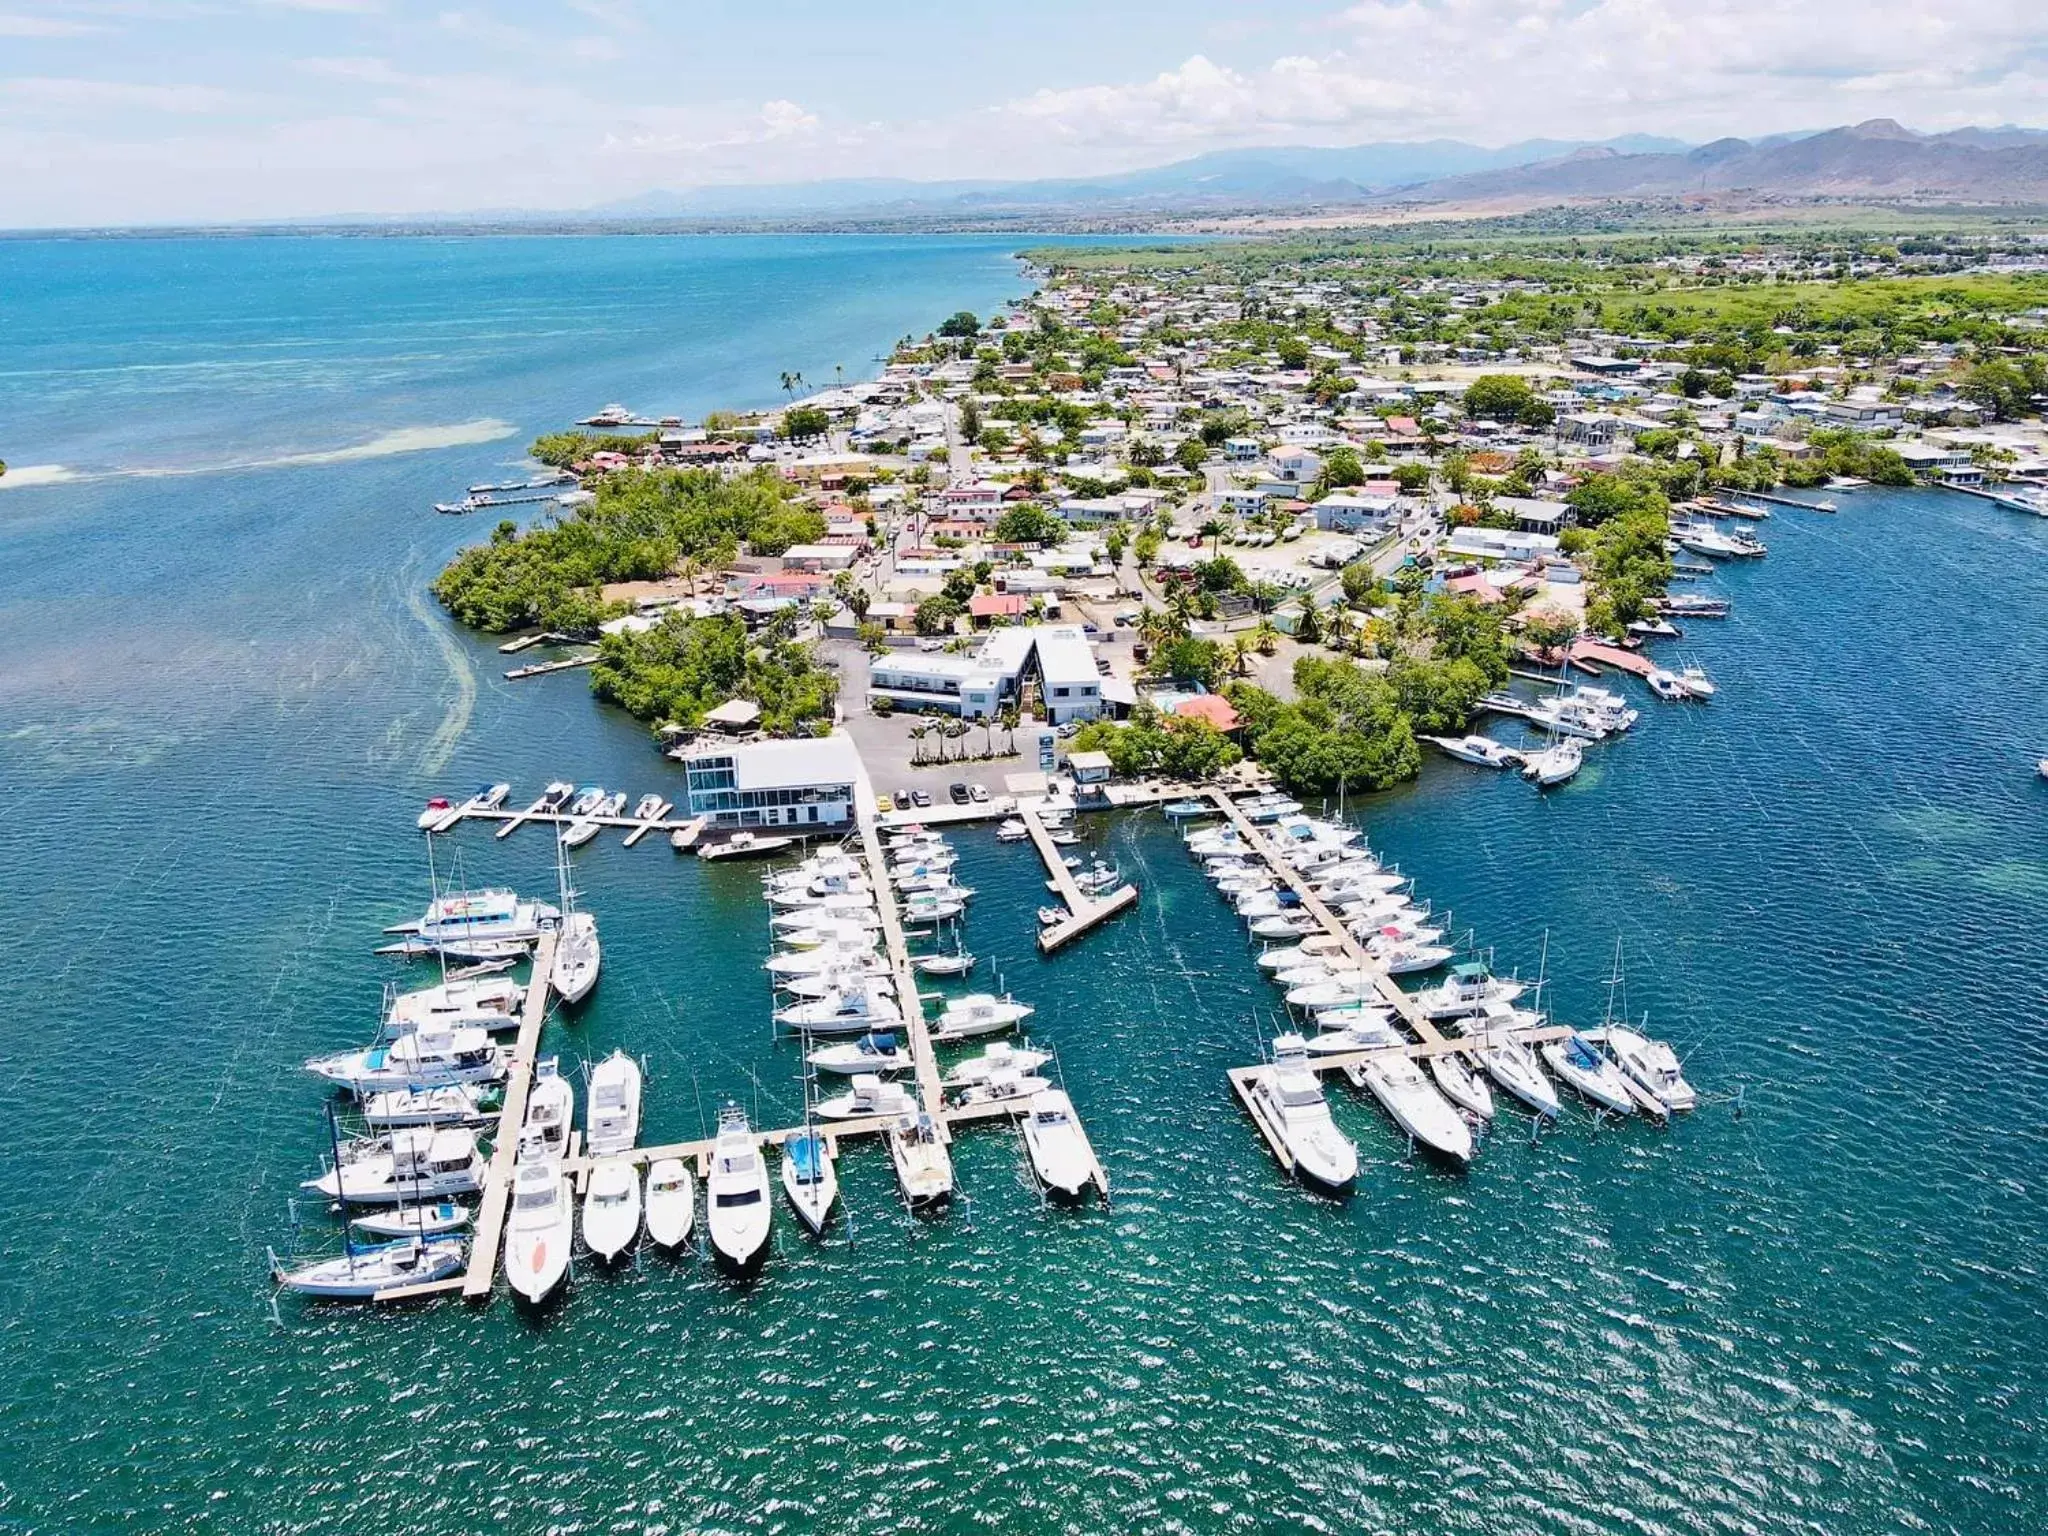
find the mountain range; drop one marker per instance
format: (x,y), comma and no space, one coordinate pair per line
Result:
(1876,158)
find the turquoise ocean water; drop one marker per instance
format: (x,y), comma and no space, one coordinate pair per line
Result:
(224,694)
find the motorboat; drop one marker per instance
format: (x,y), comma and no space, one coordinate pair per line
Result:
(1049,917)
(540,1229)
(881,1052)
(1693,605)
(1395,1079)
(1403,957)
(648,807)
(415,1220)
(736,1192)
(478,1002)
(743,845)
(1290,1099)
(1704,538)
(611,1207)
(1697,684)
(1460,1084)
(611,804)
(978,1013)
(1468,988)
(852,1011)
(416,1164)
(1001,1056)
(1346,986)
(614,1106)
(1264,808)
(929,907)
(1555,764)
(959,963)
(586,804)
(465,1104)
(846,933)
(433,1056)
(809,1179)
(550,1109)
(580,831)
(1655,629)
(1291,926)
(837,915)
(1650,1064)
(360,1273)
(1058,1147)
(871,972)
(1013,831)
(670,1202)
(437,809)
(868,1095)
(1481,751)
(556,795)
(924,1169)
(1282,957)
(577,958)
(1187,810)
(1580,1064)
(1508,1059)
(1003,1086)
(832,956)
(472,921)
(1667,685)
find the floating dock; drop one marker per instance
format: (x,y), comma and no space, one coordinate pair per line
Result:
(1084,911)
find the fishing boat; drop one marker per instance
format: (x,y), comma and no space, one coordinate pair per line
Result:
(736,1193)
(1697,684)
(852,1011)
(1469,987)
(611,1207)
(1290,1099)
(924,1169)
(809,1180)
(360,1273)
(550,1111)
(1001,1056)
(670,1203)
(867,1096)
(1667,685)
(415,1220)
(540,1229)
(1187,810)
(556,795)
(1001,1087)
(418,1163)
(743,845)
(978,1013)
(433,1056)
(882,1052)
(1058,1147)
(1556,764)
(1580,1064)
(1295,925)
(1481,751)
(1650,1064)
(614,1106)
(1404,957)
(1282,957)
(467,1104)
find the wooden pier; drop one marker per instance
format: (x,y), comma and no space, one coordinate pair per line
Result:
(1083,911)
(657,822)
(497,1196)
(924,1063)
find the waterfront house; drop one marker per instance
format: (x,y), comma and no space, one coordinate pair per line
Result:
(806,784)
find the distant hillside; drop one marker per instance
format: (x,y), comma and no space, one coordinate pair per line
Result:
(1876,158)
(1236,178)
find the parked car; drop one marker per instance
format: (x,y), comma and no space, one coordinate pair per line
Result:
(957,792)
(884,804)
(921,798)
(978,793)
(903,797)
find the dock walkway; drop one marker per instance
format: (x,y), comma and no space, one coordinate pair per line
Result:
(1083,911)
(924,1063)
(490,1215)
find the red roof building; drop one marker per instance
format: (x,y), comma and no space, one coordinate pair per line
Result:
(1210,708)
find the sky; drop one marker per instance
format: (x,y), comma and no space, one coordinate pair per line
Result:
(155,111)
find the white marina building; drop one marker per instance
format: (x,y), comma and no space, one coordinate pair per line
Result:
(1055,659)
(804,783)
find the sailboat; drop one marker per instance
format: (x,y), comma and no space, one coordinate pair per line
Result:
(577,952)
(360,1273)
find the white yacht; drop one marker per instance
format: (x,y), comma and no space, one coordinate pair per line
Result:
(1001,1056)
(586,804)
(1651,1064)
(578,832)
(1001,1086)
(868,1095)
(1575,1059)
(1697,684)
(550,1110)
(979,1013)
(809,1179)
(1555,764)
(1508,1060)
(1460,1084)
(959,963)
(670,1202)
(431,1057)
(614,1106)
(929,907)
(1291,1100)
(1667,685)
(924,1169)
(852,1012)
(741,845)
(647,807)
(540,1229)
(881,1052)
(1283,957)
(832,910)
(1468,988)
(1058,1147)
(463,1105)
(476,1002)
(1403,957)
(1407,1095)
(359,1273)
(736,1193)
(1013,831)
(840,979)
(1354,984)
(611,1207)
(413,1165)
(478,922)
(416,1220)
(1480,751)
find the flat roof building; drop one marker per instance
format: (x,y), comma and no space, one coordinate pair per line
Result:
(806,783)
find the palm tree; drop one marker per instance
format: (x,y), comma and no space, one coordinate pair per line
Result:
(1011,720)
(1212,530)
(917,736)
(1266,638)
(988,729)
(690,569)
(1240,657)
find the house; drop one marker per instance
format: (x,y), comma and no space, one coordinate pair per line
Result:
(986,608)
(1353,512)
(1534,516)
(1211,709)
(820,557)
(1500,544)
(1241,450)
(806,784)
(1587,430)
(1296,466)
(1058,659)
(1089,768)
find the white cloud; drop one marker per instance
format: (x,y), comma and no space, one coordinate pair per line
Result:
(14,24)
(60,94)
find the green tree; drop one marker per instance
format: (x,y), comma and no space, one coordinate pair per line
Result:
(1412,478)
(1029,524)
(1499,397)
(1341,468)
(962,323)
(970,420)
(1191,454)
(803,422)
(935,615)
